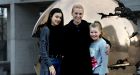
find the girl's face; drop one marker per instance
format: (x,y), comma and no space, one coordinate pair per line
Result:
(56,19)
(95,33)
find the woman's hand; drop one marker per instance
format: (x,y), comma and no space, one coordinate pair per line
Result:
(52,70)
(108,49)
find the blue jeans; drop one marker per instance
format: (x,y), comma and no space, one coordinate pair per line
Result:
(56,63)
(44,69)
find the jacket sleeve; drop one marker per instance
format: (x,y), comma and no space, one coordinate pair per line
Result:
(104,59)
(44,46)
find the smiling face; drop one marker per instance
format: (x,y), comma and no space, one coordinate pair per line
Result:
(56,19)
(95,30)
(77,13)
(95,33)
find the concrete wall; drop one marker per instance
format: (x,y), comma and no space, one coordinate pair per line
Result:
(3,2)
(24,53)
(132,4)
(139,24)
(20,43)
(22,50)
(27,1)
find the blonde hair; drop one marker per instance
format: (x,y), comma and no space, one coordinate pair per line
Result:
(98,25)
(77,6)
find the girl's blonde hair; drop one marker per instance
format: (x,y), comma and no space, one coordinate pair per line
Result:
(98,25)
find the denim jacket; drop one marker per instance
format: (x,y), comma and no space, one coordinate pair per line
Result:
(44,46)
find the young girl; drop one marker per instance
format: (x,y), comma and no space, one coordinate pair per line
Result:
(99,58)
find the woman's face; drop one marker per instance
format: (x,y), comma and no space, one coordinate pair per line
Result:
(77,15)
(56,19)
(94,33)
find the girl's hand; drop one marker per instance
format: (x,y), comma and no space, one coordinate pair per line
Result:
(52,70)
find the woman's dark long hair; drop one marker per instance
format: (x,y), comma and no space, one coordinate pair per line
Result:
(53,11)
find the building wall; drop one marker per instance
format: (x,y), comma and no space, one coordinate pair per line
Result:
(20,43)
(24,53)
(21,47)
(139,24)
(3,2)
(132,4)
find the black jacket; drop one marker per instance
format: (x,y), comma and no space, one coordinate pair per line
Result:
(76,53)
